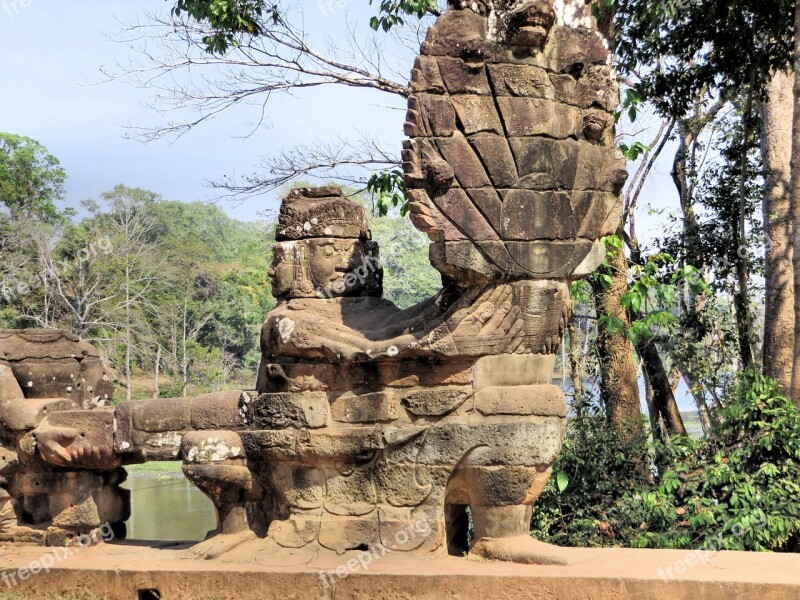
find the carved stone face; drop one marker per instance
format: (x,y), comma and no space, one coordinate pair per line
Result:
(529,23)
(516,22)
(325,268)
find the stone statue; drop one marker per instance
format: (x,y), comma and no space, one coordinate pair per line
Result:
(45,375)
(369,420)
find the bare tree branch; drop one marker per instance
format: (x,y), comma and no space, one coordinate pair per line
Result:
(188,81)
(351,161)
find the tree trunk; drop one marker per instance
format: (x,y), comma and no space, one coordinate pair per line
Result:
(576,373)
(619,388)
(657,428)
(128,383)
(795,208)
(776,144)
(663,396)
(741,300)
(185,355)
(156,373)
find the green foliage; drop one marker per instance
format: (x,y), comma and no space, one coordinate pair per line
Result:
(651,299)
(230,20)
(736,490)
(634,151)
(408,277)
(31,179)
(701,47)
(389,189)
(593,475)
(391,12)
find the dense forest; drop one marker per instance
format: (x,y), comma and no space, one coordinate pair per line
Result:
(175,292)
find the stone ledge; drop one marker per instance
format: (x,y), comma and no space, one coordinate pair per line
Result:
(120,571)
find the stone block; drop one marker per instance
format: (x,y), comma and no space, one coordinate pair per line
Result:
(302,486)
(407,530)
(430,115)
(297,531)
(78,438)
(540,400)
(407,485)
(545,164)
(10,390)
(457,205)
(50,378)
(483,261)
(203,447)
(425,76)
(349,533)
(465,163)
(459,33)
(504,486)
(297,411)
(487,200)
(513,370)
(81,515)
(435,402)
(357,445)
(600,169)
(350,493)
(167,414)
(477,114)
(270,445)
(220,410)
(496,155)
(377,407)
(422,372)
(533,117)
(462,77)
(533,441)
(595,209)
(530,215)
(572,50)
(24,415)
(526,81)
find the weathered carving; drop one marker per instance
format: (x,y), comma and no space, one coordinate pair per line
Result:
(368,420)
(54,412)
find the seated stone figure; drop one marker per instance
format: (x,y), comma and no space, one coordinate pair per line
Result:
(408,416)
(371,423)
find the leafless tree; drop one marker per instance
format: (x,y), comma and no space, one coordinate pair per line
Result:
(191,86)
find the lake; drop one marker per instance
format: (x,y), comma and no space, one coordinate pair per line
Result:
(165,506)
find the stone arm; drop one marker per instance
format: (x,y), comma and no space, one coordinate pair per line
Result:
(496,319)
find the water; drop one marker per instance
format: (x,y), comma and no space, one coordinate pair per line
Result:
(167,507)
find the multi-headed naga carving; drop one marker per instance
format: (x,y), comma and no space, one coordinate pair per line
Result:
(368,419)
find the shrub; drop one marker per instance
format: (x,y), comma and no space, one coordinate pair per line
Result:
(737,490)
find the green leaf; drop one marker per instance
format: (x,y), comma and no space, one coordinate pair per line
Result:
(562,481)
